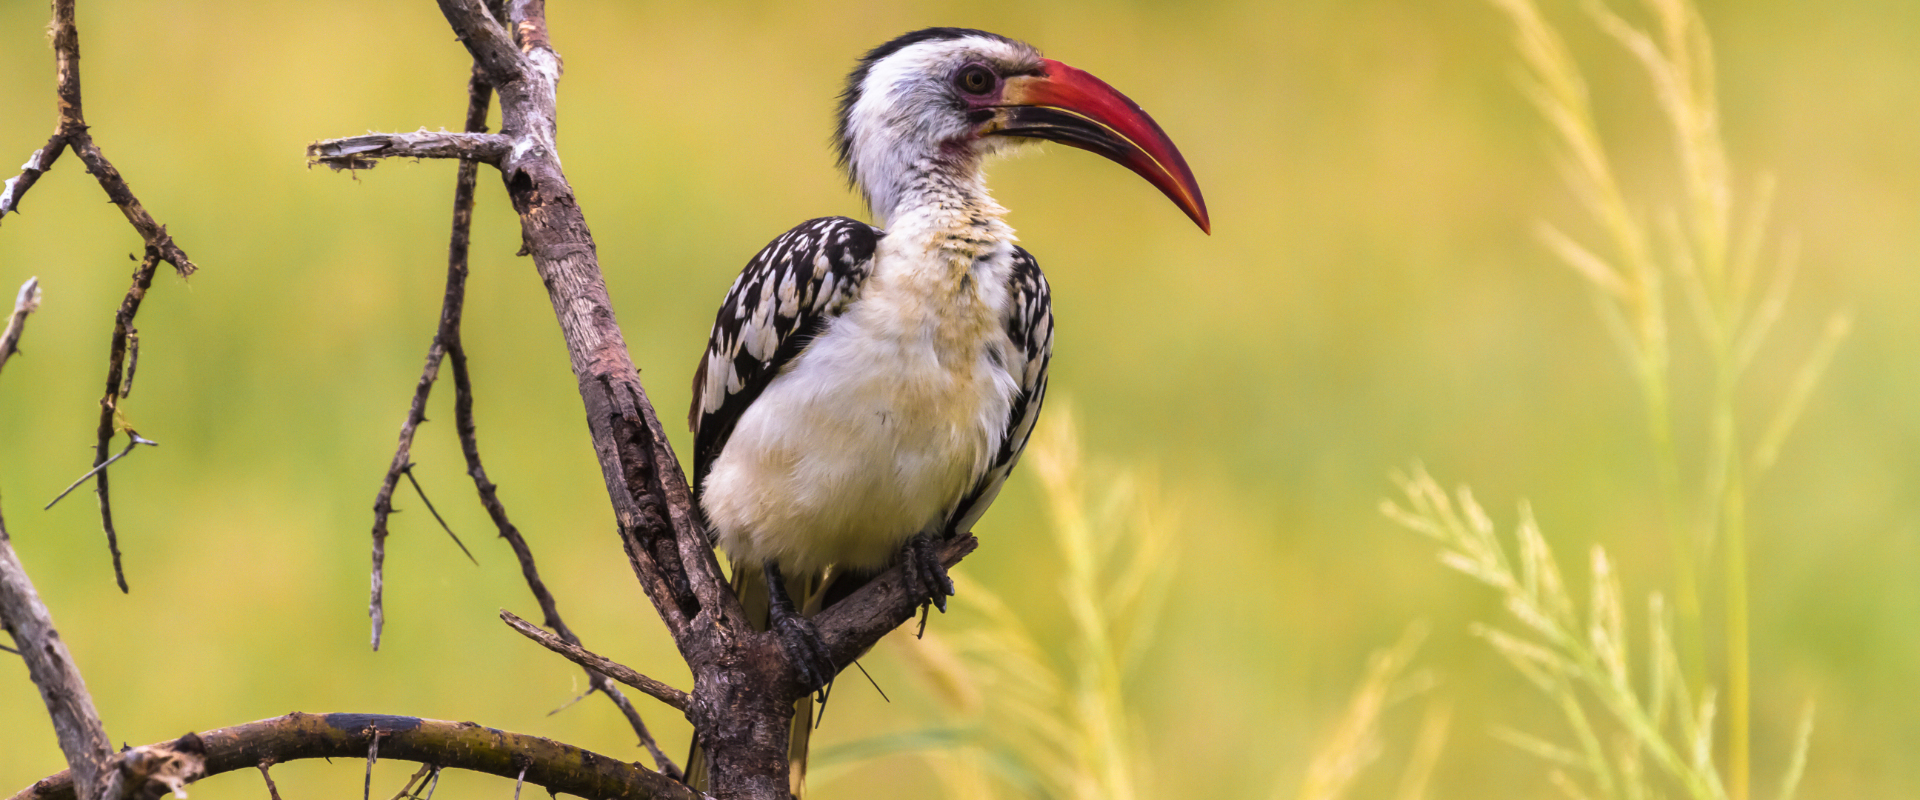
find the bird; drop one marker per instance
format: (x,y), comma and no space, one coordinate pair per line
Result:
(866,389)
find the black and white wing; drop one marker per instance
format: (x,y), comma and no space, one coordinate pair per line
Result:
(782,299)
(1029,323)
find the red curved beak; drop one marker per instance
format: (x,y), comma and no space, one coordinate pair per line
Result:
(1072,107)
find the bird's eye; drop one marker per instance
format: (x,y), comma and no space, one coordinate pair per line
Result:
(975,79)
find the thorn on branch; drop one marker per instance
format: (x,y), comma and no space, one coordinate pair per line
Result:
(436,514)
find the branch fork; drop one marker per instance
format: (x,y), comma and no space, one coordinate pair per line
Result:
(744,685)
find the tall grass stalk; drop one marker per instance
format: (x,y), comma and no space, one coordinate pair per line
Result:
(1731,303)
(1571,654)
(1354,743)
(1021,717)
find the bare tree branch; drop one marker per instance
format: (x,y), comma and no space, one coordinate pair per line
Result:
(110,402)
(560,768)
(153,233)
(447,344)
(142,773)
(555,233)
(150,771)
(82,738)
(26,303)
(383,500)
(30,172)
(361,152)
(595,662)
(851,626)
(71,131)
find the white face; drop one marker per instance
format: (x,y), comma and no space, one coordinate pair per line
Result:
(912,108)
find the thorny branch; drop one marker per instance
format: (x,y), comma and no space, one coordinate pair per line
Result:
(110,420)
(72,132)
(446,335)
(447,344)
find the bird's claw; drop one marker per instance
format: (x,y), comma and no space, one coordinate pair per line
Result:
(804,648)
(926,577)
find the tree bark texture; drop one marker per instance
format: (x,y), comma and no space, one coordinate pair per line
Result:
(82,738)
(557,767)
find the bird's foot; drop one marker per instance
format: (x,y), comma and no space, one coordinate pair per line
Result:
(926,577)
(804,647)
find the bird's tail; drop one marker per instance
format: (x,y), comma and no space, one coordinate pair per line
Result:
(750,585)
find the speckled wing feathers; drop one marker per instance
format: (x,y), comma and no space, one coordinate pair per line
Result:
(778,304)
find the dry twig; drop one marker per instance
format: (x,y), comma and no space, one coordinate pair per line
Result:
(132,440)
(110,403)
(597,663)
(273,792)
(27,301)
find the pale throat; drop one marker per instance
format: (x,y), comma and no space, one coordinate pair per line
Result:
(944,258)
(941,208)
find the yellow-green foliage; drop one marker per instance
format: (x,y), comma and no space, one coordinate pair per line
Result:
(1580,662)
(1633,737)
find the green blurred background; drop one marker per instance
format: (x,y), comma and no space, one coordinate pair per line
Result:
(1373,294)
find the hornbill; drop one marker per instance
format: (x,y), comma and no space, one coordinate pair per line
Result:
(865,390)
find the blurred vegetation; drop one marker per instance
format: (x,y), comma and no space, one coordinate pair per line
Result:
(1375,291)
